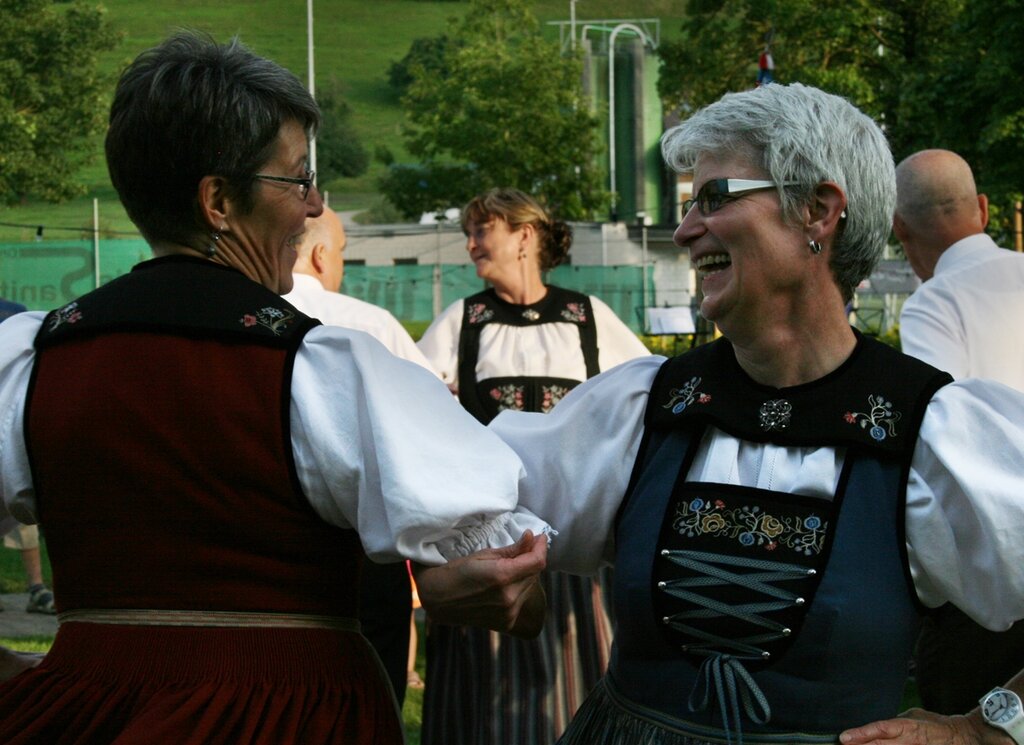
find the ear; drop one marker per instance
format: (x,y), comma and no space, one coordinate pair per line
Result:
(213,202)
(983,208)
(317,259)
(529,233)
(899,229)
(824,212)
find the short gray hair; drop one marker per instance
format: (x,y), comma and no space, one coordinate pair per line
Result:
(800,134)
(190,108)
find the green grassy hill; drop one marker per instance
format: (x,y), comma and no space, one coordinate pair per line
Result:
(355,41)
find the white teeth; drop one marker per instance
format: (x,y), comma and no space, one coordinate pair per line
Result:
(719,261)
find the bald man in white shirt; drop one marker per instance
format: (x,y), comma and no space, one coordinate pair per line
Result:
(966,318)
(318,274)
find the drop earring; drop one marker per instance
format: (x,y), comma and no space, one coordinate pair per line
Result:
(211,249)
(815,246)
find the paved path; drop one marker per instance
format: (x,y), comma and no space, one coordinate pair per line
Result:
(15,622)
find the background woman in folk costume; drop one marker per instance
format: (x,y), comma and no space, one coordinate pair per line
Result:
(520,345)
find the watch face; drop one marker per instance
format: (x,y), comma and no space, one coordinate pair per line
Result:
(999,707)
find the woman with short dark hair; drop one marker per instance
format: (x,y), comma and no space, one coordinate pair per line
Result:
(212,466)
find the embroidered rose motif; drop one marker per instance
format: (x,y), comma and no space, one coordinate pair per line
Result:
(508,397)
(750,526)
(68,314)
(770,526)
(478,313)
(879,421)
(712,523)
(276,320)
(552,395)
(574,312)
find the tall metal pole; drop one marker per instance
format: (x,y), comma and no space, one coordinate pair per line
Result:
(572,25)
(96,238)
(437,271)
(611,108)
(312,86)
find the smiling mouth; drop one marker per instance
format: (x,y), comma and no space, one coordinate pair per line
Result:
(713,263)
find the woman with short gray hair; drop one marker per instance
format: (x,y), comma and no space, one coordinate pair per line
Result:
(797,494)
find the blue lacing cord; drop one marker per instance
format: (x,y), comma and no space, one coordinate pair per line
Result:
(733,685)
(736,691)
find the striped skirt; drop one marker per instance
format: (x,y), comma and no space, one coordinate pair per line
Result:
(485,687)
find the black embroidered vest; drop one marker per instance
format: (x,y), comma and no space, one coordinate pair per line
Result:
(801,606)
(484,399)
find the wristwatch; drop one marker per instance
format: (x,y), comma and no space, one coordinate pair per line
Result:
(1002,708)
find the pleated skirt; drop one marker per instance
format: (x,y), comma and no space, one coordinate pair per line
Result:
(488,688)
(161,685)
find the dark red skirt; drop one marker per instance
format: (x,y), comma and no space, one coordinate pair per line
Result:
(157,685)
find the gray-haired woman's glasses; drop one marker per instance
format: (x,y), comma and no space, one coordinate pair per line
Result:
(715,193)
(305,184)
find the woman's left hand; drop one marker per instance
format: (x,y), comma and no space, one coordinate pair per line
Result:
(920,727)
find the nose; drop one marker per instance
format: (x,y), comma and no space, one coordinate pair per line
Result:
(314,202)
(690,228)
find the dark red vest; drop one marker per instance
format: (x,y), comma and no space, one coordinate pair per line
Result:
(158,432)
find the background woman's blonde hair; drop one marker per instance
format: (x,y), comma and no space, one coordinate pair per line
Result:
(517,209)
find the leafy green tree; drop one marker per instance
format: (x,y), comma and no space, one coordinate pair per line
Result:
(981,106)
(880,54)
(339,151)
(504,109)
(53,99)
(427,54)
(934,73)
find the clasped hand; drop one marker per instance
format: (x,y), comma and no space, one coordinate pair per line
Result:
(496,588)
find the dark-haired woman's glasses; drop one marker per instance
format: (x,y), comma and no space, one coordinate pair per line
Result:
(717,192)
(305,184)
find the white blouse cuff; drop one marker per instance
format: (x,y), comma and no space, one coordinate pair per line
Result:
(503,530)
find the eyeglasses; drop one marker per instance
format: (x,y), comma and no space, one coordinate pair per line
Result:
(305,184)
(717,192)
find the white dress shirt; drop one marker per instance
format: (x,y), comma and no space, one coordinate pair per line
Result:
(968,319)
(336,309)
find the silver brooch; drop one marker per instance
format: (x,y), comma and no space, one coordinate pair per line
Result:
(775,414)
(530,314)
